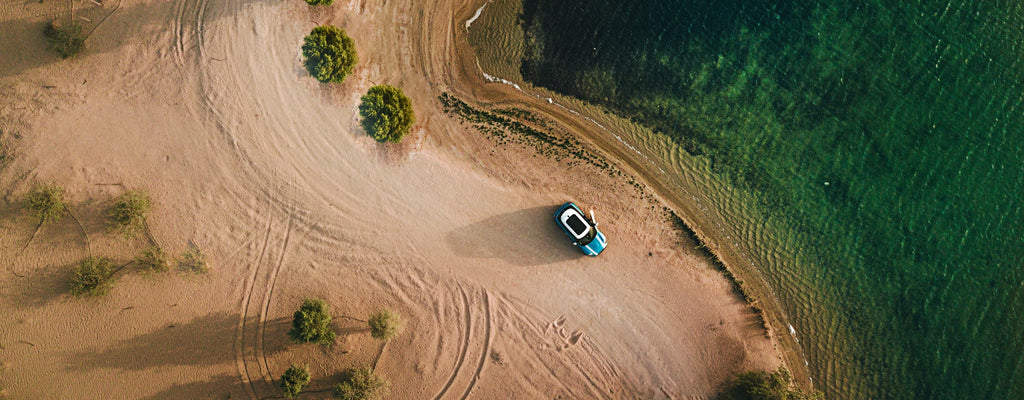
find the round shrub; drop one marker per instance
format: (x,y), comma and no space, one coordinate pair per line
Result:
(91,277)
(152,259)
(312,323)
(330,54)
(361,384)
(65,40)
(45,203)
(387,113)
(385,325)
(128,214)
(293,380)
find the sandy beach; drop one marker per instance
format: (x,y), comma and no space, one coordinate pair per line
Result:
(206,106)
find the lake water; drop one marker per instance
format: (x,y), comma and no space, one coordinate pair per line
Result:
(878,146)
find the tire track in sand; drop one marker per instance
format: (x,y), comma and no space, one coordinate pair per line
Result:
(465,345)
(271,283)
(241,365)
(487,345)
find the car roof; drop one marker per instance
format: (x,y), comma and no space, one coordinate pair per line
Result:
(570,215)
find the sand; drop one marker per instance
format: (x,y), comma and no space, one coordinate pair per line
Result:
(205,106)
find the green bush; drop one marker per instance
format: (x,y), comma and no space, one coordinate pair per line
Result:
(92,277)
(762,385)
(45,203)
(194,261)
(312,323)
(387,113)
(330,54)
(361,384)
(152,259)
(293,380)
(385,325)
(128,214)
(320,2)
(67,41)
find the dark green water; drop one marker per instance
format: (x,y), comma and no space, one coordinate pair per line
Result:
(882,138)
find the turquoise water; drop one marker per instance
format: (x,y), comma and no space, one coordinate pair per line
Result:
(882,139)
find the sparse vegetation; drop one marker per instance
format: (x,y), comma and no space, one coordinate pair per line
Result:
(293,380)
(762,385)
(361,384)
(387,113)
(45,203)
(91,277)
(152,259)
(312,322)
(385,324)
(128,214)
(320,2)
(193,260)
(67,41)
(330,54)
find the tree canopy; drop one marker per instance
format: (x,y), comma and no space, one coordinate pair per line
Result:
(387,113)
(330,54)
(385,324)
(312,322)
(67,40)
(361,384)
(293,380)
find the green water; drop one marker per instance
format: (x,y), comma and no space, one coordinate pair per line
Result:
(883,140)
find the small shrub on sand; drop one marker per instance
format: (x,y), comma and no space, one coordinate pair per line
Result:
(387,113)
(330,54)
(293,380)
(45,203)
(312,322)
(320,2)
(91,277)
(128,214)
(152,259)
(384,325)
(67,41)
(361,384)
(762,385)
(193,260)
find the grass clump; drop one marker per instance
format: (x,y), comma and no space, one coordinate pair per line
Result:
(319,2)
(763,385)
(385,324)
(67,41)
(193,260)
(312,322)
(330,54)
(361,384)
(45,203)
(91,277)
(293,380)
(387,113)
(152,259)
(128,214)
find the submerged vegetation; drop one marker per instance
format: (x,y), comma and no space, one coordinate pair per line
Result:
(330,54)
(386,113)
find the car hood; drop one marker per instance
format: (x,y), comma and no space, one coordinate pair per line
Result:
(595,246)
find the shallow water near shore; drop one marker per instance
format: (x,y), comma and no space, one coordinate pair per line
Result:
(872,158)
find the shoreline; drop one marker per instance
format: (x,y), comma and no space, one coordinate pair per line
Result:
(745,279)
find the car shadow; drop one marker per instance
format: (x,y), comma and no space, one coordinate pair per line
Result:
(525,237)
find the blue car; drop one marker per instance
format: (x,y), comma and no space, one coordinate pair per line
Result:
(582,231)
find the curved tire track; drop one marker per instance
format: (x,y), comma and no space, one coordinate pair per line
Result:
(487,346)
(465,345)
(243,367)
